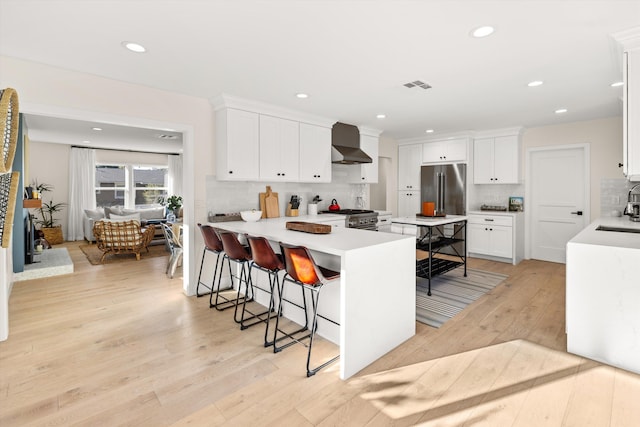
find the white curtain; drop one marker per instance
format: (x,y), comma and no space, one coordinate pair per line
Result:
(82,193)
(175,175)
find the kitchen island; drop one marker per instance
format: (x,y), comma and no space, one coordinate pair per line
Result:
(603,293)
(375,299)
(431,238)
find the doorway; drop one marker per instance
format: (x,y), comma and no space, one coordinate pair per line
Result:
(558,191)
(378,191)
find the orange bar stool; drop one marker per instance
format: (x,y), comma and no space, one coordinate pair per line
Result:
(241,255)
(212,244)
(264,259)
(302,270)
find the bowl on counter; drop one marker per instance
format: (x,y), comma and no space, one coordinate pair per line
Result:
(251,216)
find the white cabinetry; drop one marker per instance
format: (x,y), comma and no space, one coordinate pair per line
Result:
(279,149)
(237,145)
(496,160)
(408,203)
(406,229)
(409,163)
(315,153)
(366,173)
(451,150)
(496,236)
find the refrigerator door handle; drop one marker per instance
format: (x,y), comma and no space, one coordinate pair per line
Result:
(441,190)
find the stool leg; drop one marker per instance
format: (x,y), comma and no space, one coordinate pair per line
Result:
(274,285)
(225,303)
(290,335)
(314,303)
(198,294)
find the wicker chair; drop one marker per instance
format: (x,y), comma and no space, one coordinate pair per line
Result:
(115,237)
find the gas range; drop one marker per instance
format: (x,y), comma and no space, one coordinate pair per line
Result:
(358,218)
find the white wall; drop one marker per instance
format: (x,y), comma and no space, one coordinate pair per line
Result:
(57,92)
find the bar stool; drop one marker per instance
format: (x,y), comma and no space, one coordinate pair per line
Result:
(264,259)
(212,244)
(302,270)
(241,255)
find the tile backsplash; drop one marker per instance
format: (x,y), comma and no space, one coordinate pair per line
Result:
(613,195)
(494,195)
(236,196)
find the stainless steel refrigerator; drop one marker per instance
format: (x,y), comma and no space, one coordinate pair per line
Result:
(446,186)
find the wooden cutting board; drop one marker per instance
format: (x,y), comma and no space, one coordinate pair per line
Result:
(269,204)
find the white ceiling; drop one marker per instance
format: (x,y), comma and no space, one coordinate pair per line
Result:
(351,57)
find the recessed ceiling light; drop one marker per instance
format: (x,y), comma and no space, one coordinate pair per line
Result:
(134,47)
(561,110)
(302,95)
(429,131)
(617,84)
(483,31)
(381,116)
(535,83)
(97,129)
(86,142)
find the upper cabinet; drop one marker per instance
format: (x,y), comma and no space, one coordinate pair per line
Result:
(237,145)
(257,142)
(279,149)
(366,173)
(409,163)
(446,151)
(496,160)
(630,41)
(315,153)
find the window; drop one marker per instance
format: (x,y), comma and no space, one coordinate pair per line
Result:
(131,186)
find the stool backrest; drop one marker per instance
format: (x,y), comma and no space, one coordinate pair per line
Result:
(263,254)
(232,246)
(211,240)
(300,264)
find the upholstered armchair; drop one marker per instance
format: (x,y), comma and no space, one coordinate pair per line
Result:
(114,237)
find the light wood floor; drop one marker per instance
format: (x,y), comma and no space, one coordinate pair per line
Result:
(122,345)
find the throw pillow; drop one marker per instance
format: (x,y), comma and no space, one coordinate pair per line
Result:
(135,217)
(94,213)
(117,210)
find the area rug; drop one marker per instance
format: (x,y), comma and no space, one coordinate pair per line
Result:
(94,254)
(48,263)
(451,293)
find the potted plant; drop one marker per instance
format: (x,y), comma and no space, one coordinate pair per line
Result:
(172,203)
(52,232)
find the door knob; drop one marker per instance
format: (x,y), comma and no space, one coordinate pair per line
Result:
(579,213)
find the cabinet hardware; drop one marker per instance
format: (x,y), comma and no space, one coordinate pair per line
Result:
(620,165)
(488,219)
(579,213)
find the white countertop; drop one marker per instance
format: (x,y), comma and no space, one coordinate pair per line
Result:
(339,241)
(590,236)
(417,220)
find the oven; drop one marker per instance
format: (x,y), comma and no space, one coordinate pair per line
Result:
(358,218)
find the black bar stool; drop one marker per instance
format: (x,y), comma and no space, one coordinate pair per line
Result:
(302,270)
(264,259)
(212,244)
(241,255)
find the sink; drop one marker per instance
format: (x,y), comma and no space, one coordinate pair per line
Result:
(619,229)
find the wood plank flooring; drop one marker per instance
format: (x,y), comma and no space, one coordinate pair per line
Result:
(122,345)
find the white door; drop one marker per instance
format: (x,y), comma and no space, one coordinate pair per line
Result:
(559,199)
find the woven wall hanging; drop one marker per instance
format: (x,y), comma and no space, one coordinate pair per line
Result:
(9,121)
(8,195)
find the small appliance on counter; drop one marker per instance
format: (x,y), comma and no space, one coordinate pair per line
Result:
(494,208)
(633,204)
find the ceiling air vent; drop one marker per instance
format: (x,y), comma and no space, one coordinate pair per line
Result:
(418,83)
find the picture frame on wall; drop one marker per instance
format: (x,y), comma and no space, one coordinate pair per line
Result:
(516,204)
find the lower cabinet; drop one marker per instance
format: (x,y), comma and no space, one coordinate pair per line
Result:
(497,237)
(406,229)
(408,203)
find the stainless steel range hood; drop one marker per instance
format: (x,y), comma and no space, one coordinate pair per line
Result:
(345,145)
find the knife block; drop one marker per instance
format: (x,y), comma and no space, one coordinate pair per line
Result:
(290,212)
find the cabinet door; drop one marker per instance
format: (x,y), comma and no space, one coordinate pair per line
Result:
(237,145)
(408,203)
(501,239)
(483,161)
(315,153)
(631,115)
(366,173)
(478,239)
(432,152)
(279,149)
(409,163)
(456,150)
(506,159)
